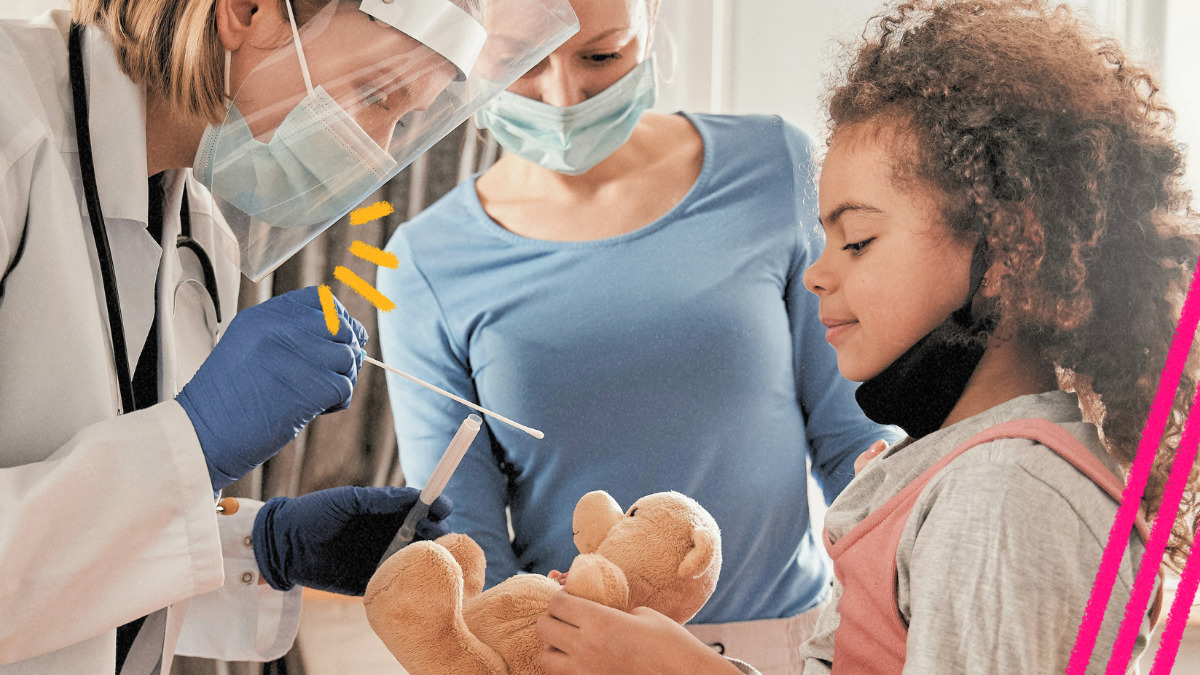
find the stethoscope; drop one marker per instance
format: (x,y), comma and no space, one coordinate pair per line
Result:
(95,215)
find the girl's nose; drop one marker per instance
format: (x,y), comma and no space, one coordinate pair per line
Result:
(817,278)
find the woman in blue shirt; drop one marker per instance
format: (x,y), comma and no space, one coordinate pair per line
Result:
(630,284)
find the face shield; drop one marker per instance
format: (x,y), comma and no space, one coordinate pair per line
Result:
(349,99)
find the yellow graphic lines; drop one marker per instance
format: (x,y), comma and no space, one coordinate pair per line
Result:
(381,301)
(327,306)
(374,255)
(373,212)
(369,253)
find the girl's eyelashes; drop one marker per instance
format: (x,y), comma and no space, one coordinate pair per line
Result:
(857,247)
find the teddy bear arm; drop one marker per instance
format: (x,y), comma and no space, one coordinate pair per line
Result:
(598,579)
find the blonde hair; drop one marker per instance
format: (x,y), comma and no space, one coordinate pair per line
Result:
(171,47)
(168,46)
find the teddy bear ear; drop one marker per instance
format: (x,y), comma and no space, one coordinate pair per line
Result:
(701,557)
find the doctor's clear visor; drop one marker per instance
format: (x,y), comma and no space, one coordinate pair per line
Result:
(346,95)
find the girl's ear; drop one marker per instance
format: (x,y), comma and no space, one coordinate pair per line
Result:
(1026,242)
(990,286)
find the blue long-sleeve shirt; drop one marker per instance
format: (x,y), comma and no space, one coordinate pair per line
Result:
(685,355)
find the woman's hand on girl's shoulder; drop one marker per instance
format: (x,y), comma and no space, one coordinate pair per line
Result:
(586,638)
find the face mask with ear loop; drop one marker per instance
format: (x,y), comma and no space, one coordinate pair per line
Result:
(920,388)
(311,171)
(572,139)
(276,195)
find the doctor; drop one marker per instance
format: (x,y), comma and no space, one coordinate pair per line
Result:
(121,414)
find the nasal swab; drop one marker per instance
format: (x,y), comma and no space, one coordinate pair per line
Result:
(532,432)
(437,482)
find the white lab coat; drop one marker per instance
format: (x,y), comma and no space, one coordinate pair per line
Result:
(105,518)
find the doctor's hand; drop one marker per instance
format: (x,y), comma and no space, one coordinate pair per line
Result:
(586,638)
(276,368)
(333,539)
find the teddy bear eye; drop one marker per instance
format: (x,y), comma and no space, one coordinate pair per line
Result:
(633,511)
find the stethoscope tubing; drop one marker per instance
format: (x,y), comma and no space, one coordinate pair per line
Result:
(96,216)
(206,267)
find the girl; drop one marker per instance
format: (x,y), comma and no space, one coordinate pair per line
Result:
(1008,237)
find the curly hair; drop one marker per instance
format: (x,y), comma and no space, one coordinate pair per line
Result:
(1040,135)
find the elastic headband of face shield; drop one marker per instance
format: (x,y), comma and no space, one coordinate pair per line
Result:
(319,122)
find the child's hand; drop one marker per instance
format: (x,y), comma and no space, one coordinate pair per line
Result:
(870,454)
(586,638)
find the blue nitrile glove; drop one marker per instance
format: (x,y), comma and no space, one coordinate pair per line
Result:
(275,369)
(333,539)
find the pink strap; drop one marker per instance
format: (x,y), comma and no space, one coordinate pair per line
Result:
(872,638)
(1036,429)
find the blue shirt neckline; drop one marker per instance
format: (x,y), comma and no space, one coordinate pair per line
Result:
(495,228)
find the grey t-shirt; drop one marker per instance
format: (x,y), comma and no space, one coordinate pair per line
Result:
(997,560)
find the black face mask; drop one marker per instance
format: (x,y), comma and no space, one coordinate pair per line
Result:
(920,388)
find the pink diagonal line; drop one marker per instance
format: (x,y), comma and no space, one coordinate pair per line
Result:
(1181,606)
(1181,469)
(1131,498)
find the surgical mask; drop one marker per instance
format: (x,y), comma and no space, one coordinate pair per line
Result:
(572,139)
(920,388)
(318,164)
(305,175)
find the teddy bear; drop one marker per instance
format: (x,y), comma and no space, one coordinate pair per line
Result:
(428,606)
